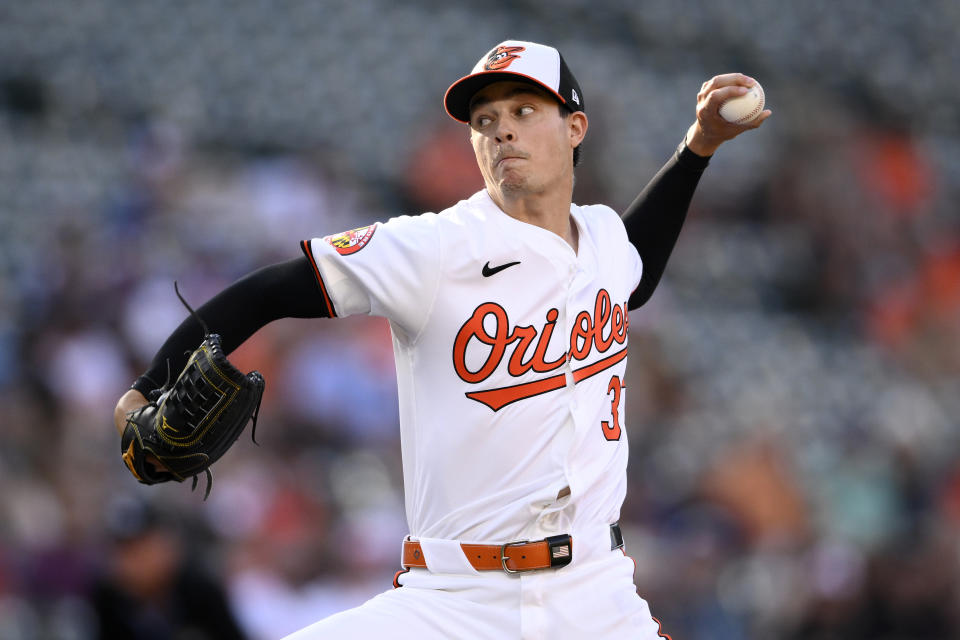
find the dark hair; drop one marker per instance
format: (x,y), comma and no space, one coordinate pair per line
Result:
(564,112)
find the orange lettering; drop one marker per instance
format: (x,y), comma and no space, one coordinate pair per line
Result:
(619,331)
(473,328)
(607,324)
(539,365)
(601,315)
(580,337)
(516,366)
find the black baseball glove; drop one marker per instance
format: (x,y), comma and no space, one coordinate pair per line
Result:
(188,426)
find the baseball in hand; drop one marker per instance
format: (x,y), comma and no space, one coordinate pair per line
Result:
(744,109)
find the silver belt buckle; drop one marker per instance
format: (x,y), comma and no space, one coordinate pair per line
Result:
(504,557)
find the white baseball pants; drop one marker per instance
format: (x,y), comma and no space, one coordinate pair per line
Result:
(593,597)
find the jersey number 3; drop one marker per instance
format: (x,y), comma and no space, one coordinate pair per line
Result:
(611,430)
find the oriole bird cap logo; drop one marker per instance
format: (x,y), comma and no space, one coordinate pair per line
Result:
(501,58)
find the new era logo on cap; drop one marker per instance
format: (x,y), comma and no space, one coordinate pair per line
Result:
(519,61)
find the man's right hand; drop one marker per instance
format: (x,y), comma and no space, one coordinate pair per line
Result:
(710,130)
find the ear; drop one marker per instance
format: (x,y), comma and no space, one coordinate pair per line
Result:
(577,127)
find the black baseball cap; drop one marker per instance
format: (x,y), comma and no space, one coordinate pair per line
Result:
(516,60)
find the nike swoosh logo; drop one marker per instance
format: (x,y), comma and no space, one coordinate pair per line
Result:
(489,271)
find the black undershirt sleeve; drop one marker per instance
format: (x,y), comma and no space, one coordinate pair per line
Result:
(654,219)
(283,290)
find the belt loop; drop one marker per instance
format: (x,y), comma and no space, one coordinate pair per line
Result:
(616,537)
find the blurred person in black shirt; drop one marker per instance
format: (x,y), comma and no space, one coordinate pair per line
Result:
(150,590)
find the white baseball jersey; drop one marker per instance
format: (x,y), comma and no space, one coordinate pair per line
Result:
(510,353)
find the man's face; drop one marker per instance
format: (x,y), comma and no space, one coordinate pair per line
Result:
(522,143)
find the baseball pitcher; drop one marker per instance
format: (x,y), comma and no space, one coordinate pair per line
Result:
(509,314)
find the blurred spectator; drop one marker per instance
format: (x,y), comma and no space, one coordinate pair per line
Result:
(151,589)
(445,152)
(752,482)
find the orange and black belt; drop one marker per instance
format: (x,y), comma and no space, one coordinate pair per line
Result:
(513,557)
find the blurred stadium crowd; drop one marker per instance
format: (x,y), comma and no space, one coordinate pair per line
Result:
(794,384)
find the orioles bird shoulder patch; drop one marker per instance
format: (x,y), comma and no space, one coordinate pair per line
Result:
(351,241)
